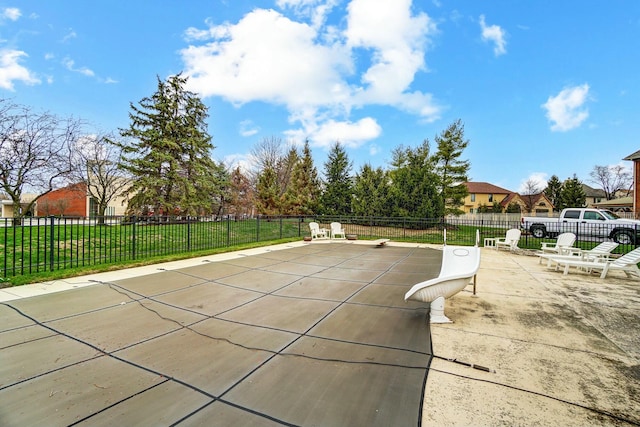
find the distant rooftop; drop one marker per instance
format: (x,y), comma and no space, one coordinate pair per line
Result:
(485,188)
(634,156)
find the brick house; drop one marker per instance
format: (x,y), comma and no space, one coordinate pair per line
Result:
(74,201)
(635,158)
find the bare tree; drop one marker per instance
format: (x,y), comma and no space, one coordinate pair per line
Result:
(530,192)
(611,179)
(35,154)
(275,161)
(95,162)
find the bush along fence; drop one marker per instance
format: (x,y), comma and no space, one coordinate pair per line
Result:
(49,244)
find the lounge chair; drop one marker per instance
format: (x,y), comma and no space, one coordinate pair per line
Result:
(337,232)
(459,266)
(627,263)
(317,232)
(603,250)
(510,241)
(561,246)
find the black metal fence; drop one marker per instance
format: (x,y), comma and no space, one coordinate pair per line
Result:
(49,244)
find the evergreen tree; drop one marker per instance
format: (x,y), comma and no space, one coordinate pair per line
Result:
(554,192)
(220,194)
(241,194)
(169,154)
(268,192)
(413,190)
(371,192)
(573,194)
(452,172)
(303,192)
(338,187)
(513,208)
(285,167)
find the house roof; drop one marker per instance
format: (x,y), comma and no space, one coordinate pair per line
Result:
(593,192)
(535,198)
(485,188)
(634,156)
(622,201)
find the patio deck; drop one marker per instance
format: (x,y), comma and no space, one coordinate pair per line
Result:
(319,334)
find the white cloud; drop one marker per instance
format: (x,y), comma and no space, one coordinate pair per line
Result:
(70,65)
(539,179)
(247,128)
(309,68)
(11,70)
(327,133)
(315,10)
(566,110)
(11,13)
(495,34)
(397,41)
(246,162)
(70,35)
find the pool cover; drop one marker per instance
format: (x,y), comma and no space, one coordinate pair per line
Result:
(315,335)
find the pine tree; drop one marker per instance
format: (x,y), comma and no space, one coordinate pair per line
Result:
(554,192)
(413,190)
(452,171)
(268,192)
(303,193)
(338,187)
(371,192)
(241,198)
(573,194)
(169,154)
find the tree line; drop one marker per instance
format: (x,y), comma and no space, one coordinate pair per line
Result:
(162,164)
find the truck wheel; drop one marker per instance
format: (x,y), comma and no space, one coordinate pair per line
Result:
(538,231)
(623,237)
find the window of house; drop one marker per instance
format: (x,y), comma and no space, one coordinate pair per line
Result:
(490,198)
(473,197)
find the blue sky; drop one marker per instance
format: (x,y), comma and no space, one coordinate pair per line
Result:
(542,87)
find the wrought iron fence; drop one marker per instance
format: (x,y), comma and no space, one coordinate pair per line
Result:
(48,244)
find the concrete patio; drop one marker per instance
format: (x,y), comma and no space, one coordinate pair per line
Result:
(319,334)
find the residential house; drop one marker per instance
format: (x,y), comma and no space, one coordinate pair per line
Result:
(533,204)
(482,194)
(593,196)
(622,204)
(7,208)
(485,194)
(635,158)
(74,201)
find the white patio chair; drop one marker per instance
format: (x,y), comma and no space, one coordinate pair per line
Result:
(337,232)
(603,250)
(561,246)
(317,232)
(510,241)
(627,263)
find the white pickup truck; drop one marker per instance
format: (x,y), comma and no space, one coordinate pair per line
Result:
(585,222)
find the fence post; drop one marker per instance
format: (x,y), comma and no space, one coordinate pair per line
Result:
(258,228)
(189,233)
(228,231)
(134,219)
(51,251)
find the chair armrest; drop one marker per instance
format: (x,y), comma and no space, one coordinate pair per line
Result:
(572,251)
